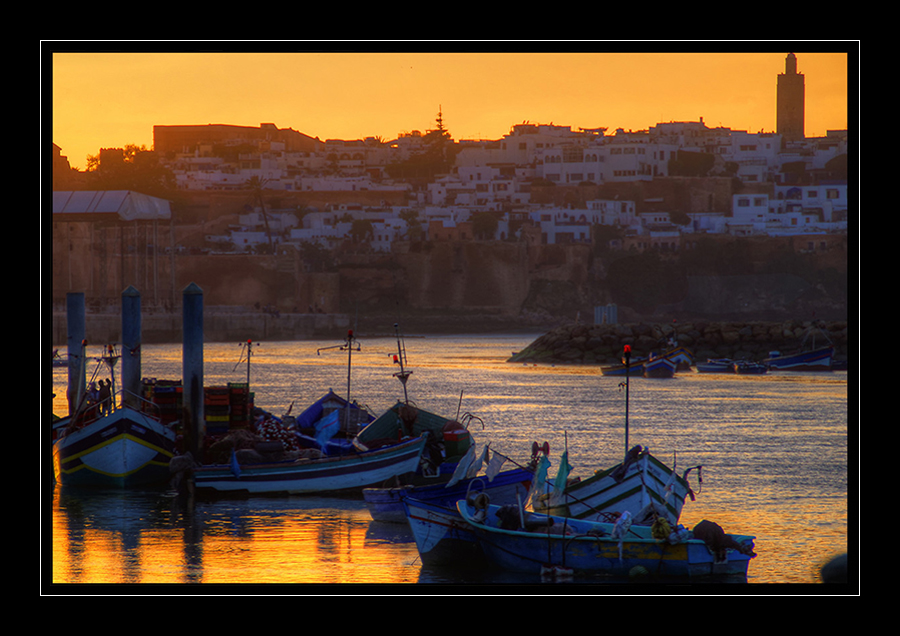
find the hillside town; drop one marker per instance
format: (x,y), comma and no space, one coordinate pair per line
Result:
(228,190)
(774,187)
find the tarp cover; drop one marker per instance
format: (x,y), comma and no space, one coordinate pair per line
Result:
(92,204)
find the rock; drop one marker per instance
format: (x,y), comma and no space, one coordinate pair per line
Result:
(603,344)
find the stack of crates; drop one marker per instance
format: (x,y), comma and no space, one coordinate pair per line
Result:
(241,402)
(166,395)
(217,410)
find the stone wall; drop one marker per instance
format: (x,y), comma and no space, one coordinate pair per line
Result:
(603,344)
(218,326)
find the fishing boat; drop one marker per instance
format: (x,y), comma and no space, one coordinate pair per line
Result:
(681,356)
(716,365)
(329,424)
(663,365)
(123,449)
(515,541)
(111,445)
(810,356)
(810,360)
(641,484)
(748,367)
(385,504)
(387,448)
(635,369)
(442,536)
(350,472)
(660,367)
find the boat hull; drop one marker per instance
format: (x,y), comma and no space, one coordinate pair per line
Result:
(634,370)
(814,360)
(660,368)
(124,449)
(442,537)
(386,504)
(750,368)
(631,486)
(347,473)
(589,548)
(716,365)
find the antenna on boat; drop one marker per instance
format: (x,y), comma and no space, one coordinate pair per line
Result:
(348,347)
(400,358)
(249,345)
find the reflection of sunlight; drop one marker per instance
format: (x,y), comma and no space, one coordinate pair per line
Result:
(774,450)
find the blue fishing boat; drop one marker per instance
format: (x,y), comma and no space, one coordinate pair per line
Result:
(386,504)
(512,540)
(660,367)
(634,369)
(809,356)
(442,537)
(810,360)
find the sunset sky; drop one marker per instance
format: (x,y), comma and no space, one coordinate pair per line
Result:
(107,99)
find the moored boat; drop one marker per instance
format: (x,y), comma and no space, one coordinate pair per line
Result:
(442,537)
(636,369)
(350,472)
(660,367)
(123,449)
(810,360)
(385,504)
(810,356)
(640,485)
(513,540)
(748,367)
(716,365)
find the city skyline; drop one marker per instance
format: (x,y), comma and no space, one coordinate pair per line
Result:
(111,99)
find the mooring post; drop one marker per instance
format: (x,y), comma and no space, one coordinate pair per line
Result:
(131,347)
(75,344)
(192,367)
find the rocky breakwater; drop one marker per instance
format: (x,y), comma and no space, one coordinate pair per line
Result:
(603,344)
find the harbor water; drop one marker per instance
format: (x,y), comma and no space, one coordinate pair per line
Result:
(774,451)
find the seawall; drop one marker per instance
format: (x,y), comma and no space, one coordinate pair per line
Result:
(218,326)
(603,344)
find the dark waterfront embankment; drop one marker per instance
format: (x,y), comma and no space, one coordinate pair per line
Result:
(603,344)
(219,325)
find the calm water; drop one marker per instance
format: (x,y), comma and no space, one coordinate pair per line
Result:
(774,451)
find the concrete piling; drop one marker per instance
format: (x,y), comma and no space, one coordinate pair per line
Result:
(192,367)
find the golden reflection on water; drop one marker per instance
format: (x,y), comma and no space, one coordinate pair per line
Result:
(774,448)
(280,545)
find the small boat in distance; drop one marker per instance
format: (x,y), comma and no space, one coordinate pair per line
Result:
(747,367)
(810,356)
(661,367)
(716,365)
(810,360)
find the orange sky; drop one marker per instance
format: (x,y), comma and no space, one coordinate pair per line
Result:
(102,100)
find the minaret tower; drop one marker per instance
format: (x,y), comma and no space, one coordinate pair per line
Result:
(791,102)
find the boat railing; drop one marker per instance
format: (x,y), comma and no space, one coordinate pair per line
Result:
(148,407)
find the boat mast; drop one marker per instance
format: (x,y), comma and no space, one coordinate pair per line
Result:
(249,346)
(348,347)
(400,359)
